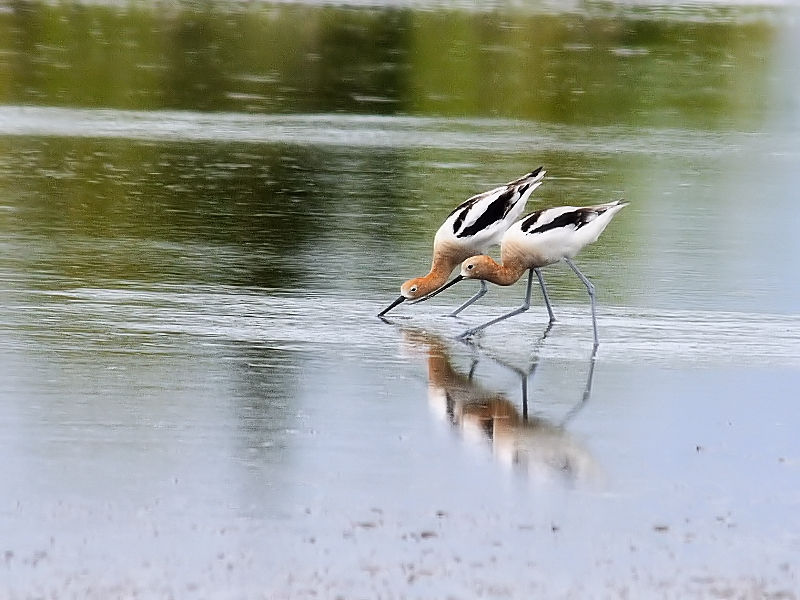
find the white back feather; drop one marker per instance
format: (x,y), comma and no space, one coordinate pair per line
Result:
(472,226)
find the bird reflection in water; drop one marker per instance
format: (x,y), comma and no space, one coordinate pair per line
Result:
(540,448)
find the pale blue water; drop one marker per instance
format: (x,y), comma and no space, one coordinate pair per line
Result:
(197,399)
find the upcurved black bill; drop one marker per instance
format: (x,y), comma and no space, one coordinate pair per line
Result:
(452,282)
(391,306)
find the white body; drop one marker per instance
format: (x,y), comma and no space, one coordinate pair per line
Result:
(581,226)
(464,229)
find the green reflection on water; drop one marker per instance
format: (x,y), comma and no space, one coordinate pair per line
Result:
(566,67)
(90,212)
(101,211)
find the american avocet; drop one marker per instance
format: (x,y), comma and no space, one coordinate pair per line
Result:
(537,240)
(473,226)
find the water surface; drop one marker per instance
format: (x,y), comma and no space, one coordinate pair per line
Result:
(204,209)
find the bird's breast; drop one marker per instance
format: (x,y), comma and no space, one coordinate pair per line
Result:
(530,252)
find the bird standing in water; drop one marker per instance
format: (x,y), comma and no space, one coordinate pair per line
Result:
(472,227)
(537,240)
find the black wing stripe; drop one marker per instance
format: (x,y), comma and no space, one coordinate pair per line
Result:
(575,219)
(521,191)
(496,210)
(460,219)
(531,175)
(465,204)
(530,220)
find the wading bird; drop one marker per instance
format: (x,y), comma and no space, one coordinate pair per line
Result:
(537,240)
(473,226)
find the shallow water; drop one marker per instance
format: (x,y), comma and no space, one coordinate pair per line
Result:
(197,397)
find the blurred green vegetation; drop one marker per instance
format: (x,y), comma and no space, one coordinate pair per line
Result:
(110,211)
(88,211)
(565,68)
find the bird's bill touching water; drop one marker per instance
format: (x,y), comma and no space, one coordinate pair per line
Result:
(399,300)
(450,283)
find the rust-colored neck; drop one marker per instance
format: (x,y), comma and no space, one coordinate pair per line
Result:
(441,268)
(443,264)
(507,273)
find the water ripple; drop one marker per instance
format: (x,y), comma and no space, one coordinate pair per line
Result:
(97,317)
(492,135)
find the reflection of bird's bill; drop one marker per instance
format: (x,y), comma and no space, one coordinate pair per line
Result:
(392,305)
(452,282)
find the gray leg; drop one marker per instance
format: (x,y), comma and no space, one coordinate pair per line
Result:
(545,294)
(525,306)
(590,289)
(472,300)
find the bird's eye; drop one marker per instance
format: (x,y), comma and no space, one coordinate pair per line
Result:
(413,289)
(470,267)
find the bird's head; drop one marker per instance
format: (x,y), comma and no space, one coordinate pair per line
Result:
(478,267)
(417,288)
(413,289)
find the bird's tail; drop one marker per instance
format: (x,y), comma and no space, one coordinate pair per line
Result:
(616,205)
(534,176)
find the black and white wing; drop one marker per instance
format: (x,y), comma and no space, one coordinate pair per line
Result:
(546,236)
(564,217)
(481,220)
